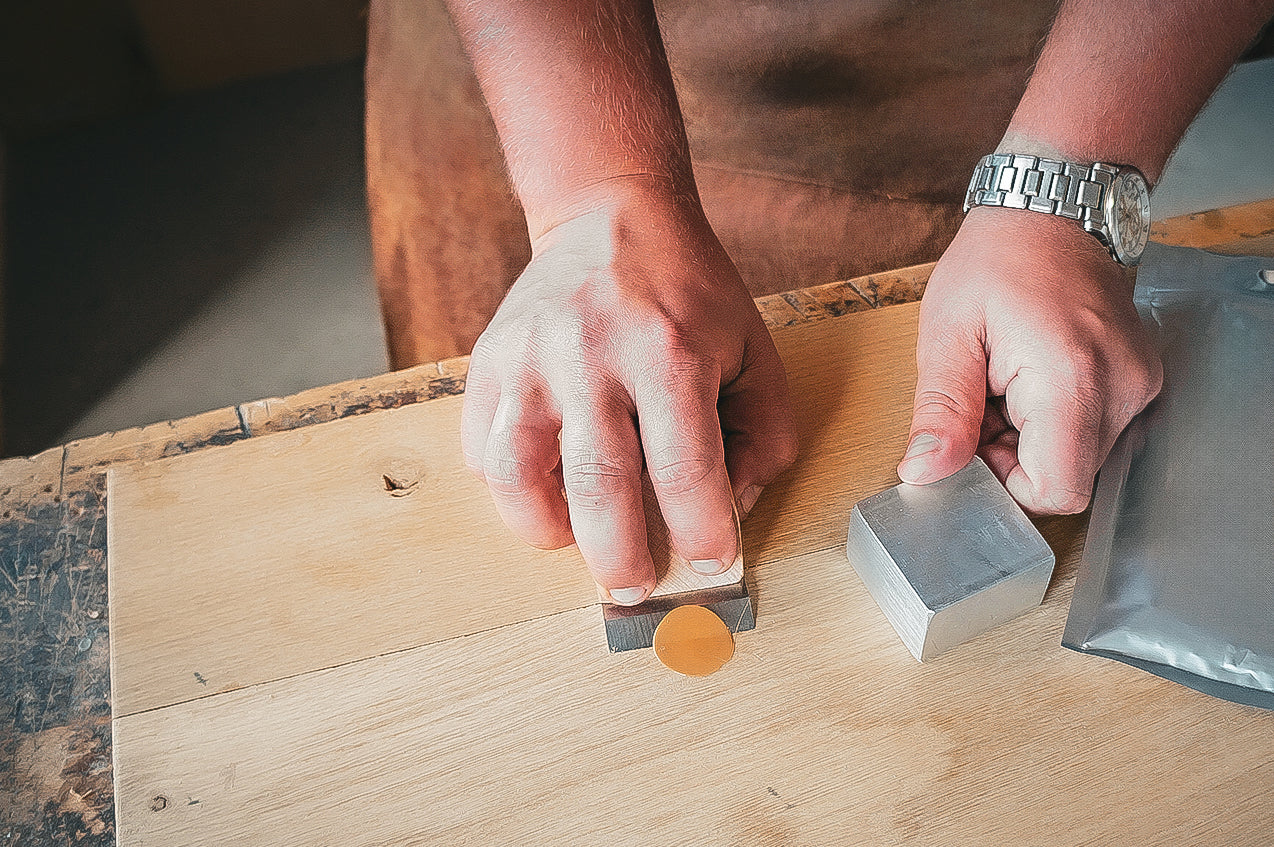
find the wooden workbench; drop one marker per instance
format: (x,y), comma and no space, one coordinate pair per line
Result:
(55,716)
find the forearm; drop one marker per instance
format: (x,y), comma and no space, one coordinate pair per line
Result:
(581,95)
(1052,328)
(1120,81)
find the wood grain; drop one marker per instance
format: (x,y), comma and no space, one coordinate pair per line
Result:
(821,730)
(234,566)
(287,553)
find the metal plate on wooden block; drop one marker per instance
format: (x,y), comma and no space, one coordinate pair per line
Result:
(633,627)
(949,560)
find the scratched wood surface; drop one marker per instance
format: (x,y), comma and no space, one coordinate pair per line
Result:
(55,735)
(320,546)
(490,690)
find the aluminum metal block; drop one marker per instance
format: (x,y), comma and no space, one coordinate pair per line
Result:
(949,560)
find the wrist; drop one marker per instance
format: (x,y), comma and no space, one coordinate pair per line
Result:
(1077,150)
(629,199)
(1111,202)
(1044,238)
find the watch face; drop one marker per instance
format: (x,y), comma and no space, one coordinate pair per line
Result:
(1128,216)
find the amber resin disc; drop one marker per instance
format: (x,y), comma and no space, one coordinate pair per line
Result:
(693,641)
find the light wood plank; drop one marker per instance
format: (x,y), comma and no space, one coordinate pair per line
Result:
(821,730)
(285,554)
(1246,229)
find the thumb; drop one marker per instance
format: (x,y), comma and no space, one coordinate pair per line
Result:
(948,408)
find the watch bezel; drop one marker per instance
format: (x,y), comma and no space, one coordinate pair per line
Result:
(1128,233)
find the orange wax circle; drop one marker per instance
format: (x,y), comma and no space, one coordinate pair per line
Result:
(693,641)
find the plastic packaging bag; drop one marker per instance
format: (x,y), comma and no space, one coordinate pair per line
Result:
(1177,575)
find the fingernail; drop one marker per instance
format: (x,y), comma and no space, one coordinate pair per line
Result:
(747,499)
(707,567)
(628,596)
(921,444)
(917,464)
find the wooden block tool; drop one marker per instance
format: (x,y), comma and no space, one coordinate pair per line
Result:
(726,594)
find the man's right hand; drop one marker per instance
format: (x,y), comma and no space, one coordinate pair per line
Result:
(631,336)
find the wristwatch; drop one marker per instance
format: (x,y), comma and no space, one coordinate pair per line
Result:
(1110,201)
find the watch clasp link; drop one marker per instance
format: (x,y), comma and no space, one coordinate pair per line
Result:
(1071,191)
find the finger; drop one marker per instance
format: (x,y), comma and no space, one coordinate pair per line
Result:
(685,456)
(481,397)
(756,417)
(1059,445)
(522,468)
(998,441)
(1134,397)
(601,471)
(948,408)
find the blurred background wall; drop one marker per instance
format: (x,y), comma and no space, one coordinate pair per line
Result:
(69,61)
(162,160)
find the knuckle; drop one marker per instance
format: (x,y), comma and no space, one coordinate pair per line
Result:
(682,475)
(685,369)
(571,342)
(676,352)
(1057,495)
(1065,501)
(594,483)
(933,401)
(494,350)
(507,474)
(1088,404)
(1072,374)
(667,334)
(484,350)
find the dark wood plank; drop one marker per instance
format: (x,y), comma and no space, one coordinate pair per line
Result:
(55,731)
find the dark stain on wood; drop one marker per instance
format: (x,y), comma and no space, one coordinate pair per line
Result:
(352,404)
(55,708)
(54,567)
(216,439)
(55,730)
(398,487)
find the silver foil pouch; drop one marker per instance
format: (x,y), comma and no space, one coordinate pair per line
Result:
(1177,575)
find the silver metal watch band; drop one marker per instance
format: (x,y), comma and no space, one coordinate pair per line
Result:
(1050,186)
